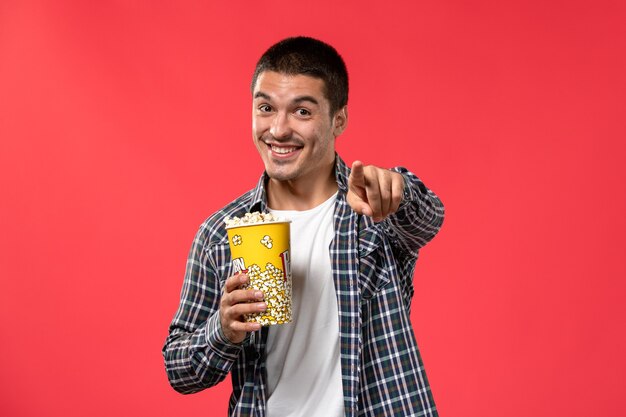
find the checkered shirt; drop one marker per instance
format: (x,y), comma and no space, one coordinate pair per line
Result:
(372,265)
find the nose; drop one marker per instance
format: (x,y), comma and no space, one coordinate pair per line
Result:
(280,128)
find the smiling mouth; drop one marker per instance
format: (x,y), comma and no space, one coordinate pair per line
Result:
(283,150)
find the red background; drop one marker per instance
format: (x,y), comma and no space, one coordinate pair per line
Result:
(123,125)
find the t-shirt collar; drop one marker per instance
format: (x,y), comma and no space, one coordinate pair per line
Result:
(259,197)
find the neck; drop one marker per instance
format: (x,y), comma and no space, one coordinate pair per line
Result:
(303,193)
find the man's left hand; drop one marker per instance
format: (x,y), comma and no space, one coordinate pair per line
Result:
(373,191)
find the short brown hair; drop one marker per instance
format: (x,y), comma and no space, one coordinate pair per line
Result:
(307,56)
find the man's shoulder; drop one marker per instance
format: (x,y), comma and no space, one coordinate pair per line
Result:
(213,228)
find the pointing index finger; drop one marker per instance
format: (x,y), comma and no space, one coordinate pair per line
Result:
(357,175)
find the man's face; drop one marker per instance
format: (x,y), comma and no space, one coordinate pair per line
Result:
(292,127)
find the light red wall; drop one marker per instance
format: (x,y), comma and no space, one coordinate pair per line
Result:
(124,124)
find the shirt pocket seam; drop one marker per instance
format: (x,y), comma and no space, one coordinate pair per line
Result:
(373,274)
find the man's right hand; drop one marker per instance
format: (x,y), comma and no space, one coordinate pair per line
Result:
(237,302)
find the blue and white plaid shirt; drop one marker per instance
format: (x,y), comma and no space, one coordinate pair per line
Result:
(372,265)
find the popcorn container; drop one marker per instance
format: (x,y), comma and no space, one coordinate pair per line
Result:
(262,251)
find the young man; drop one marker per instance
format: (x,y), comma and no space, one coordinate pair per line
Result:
(355,234)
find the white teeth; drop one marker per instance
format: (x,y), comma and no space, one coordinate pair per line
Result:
(282,150)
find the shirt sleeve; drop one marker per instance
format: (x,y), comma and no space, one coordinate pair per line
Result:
(197,353)
(419,217)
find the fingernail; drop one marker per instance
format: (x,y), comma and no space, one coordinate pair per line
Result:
(258,295)
(262,306)
(243,278)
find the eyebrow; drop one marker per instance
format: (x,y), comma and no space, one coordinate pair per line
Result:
(300,99)
(261,94)
(297,100)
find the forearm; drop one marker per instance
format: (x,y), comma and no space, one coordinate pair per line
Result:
(196,353)
(419,217)
(195,360)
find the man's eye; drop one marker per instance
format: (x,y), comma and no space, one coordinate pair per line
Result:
(265,108)
(303,112)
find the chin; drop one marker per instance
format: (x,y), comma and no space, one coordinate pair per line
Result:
(279,173)
(280,176)
(283,174)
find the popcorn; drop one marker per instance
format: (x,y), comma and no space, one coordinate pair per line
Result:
(277,291)
(259,246)
(251,218)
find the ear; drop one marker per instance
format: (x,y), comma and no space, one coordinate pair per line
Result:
(340,121)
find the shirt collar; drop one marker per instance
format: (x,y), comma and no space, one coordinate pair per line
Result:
(342,172)
(258,201)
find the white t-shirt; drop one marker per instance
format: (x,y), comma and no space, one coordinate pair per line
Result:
(302,357)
